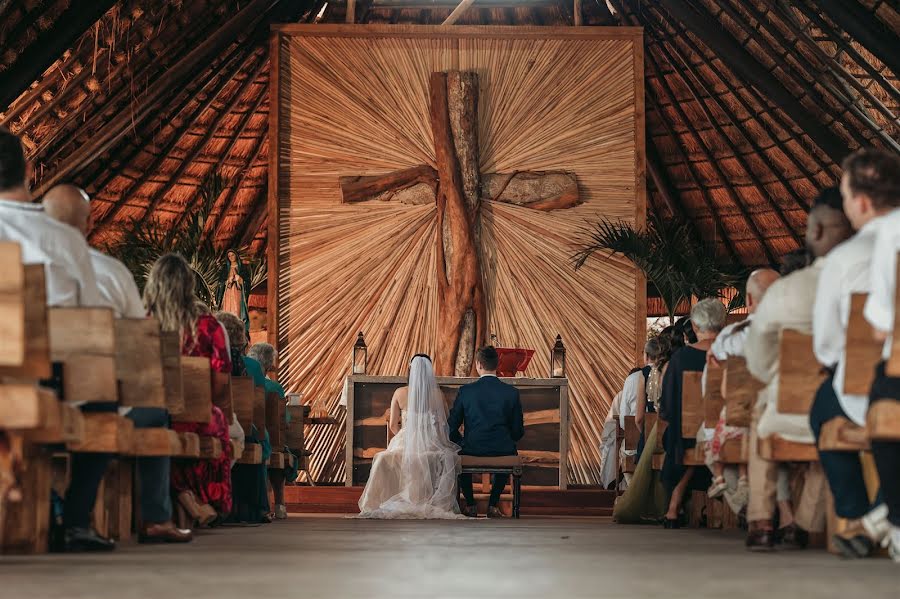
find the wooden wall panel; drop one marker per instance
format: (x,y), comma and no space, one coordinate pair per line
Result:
(353,100)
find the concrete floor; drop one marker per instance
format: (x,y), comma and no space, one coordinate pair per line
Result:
(319,557)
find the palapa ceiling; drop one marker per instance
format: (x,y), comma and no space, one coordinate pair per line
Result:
(750,104)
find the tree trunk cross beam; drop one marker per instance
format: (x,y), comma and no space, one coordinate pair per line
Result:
(457,188)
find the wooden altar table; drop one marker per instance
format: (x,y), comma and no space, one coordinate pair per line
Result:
(545,405)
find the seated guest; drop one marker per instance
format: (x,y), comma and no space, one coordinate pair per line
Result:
(655,355)
(69,280)
(237,345)
(880,312)
(631,388)
(608,470)
(707,319)
(69,204)
(730,343)
(788,304)
(266,355)
(870,191)
(203,486)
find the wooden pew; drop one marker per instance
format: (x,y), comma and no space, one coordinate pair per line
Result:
(741,392)
(12,305)
(222,394)
(83,349)
(36,362)
(197,385)
(173,382)
(692,413)
(659,455)
(630,441)
(799,373)
(259,411)
(863,352)
(242,397)
(105,432)
(139,363)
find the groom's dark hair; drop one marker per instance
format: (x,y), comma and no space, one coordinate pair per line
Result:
(487,357)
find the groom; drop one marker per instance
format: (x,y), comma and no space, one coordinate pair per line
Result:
(492,415)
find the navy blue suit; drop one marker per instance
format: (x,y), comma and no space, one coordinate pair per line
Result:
(492,414)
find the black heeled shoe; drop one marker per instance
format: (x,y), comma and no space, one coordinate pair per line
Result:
(669,523)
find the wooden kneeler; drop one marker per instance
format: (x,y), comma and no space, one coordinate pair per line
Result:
(511,465)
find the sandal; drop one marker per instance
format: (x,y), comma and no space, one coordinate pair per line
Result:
(717,488)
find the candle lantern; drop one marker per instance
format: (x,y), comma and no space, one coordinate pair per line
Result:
(360,355)
(558,359)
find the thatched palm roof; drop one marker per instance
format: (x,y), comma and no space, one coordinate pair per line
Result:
(751,104)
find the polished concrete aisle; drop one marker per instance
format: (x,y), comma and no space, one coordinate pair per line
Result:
(321,557)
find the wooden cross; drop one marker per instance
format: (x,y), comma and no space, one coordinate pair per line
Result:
(458,188)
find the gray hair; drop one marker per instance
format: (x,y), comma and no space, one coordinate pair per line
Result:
(708,315)
(265,354)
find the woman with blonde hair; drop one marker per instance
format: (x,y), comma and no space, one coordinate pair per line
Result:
(203,487)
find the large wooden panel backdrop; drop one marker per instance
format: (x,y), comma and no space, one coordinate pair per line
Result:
(353,100)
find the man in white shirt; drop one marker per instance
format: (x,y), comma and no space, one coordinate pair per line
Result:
(71,205)
(868,196)
(70,281)
(788,304)
(880,312)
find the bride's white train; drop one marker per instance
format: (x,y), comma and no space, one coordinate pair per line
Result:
(415,477)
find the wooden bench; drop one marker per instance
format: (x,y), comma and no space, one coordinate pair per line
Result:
(83,351)
(692,414)
(510,465)
(799,373)
(631,438)
(741,392)
(659,454)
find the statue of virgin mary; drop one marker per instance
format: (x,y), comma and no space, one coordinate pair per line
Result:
(234,286)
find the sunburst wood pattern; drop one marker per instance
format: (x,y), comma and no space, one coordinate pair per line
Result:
(359,105)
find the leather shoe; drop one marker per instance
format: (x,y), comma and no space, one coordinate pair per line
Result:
(470,511)
(793,537)
(760,539)
(494,512)
(164,532)
(854,541)
(79,539)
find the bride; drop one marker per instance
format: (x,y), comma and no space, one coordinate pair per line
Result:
(415,477)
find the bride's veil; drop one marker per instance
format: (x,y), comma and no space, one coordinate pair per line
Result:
(430,461)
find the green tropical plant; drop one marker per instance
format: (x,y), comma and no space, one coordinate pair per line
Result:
(140,248)
(674,261)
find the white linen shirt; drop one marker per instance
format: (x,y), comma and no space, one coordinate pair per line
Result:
(845,271)
(117,286)
(879,309)
(628,402)
(788,304)
(60,248)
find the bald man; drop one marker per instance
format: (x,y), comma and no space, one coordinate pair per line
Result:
(71,205)
(788,304)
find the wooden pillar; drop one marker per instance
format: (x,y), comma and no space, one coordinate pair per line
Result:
(351,11)
(579,20)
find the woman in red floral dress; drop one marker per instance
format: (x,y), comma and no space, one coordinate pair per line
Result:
(203,487)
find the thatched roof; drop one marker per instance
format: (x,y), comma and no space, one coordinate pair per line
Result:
(751,104)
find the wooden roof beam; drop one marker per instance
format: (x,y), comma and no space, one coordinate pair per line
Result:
(246,232)
(172,78)
(751,91)
(458,12)
(663,185)
(743,63)
(204,141)
(865,28)
(46,50)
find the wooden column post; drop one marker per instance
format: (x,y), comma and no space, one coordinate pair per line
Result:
(351,11)
(579,19)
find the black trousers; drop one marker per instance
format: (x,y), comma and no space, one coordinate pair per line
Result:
(498,483)
(887,453)
(842,468)
(87,472)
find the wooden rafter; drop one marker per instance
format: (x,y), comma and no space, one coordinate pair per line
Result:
(252,223)
(210,131)
(663,185)
(38,56)
(751,91)
(742,62)
(701,102)
(458,12)
(865,28)
(171,79)
(224,77)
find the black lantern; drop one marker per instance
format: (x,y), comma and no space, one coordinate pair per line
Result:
(360,354)
(558,359)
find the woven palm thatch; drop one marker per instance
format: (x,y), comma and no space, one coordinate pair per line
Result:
(354,106)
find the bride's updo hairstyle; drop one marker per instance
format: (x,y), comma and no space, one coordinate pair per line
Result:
(426,356)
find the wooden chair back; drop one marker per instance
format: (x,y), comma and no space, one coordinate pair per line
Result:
(139,366)
(691,404)
(713,399)
(275,419)
(632,434)
(197,381)
(863,352)
(173,380)
(83,342)
(242,401)
(36,361)
(799,373)
(259,411)
(741,391)
(12,305)
(222,394)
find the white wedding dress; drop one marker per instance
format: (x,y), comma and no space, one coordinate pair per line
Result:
(415,477)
